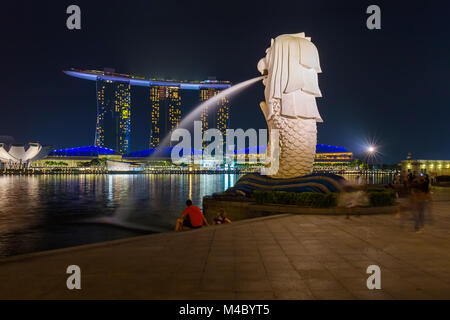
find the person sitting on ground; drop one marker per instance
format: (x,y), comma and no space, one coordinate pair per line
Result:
(221,218)
(192,218)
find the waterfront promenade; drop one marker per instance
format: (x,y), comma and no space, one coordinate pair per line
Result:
(277,257)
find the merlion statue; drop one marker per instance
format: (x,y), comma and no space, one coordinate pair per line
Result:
(290,68)
(291,88)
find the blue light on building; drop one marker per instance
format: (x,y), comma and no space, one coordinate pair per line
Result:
(93,75)
(114,107)
(162,152)
(89,151)
(323,148)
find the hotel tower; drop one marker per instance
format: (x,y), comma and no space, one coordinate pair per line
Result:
(113,126)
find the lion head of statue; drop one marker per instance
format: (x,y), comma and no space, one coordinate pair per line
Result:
(291,65)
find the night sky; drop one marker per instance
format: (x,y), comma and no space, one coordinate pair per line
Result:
(389,85)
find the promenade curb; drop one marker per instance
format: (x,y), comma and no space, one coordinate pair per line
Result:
(55,252)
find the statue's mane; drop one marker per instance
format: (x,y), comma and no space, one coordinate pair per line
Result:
(292,58)
(293,64)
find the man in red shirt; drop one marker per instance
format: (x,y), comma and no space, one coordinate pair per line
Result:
(192,216)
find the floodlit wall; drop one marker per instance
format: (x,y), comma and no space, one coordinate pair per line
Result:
(430,167)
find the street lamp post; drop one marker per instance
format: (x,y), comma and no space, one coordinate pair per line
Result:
(370,153)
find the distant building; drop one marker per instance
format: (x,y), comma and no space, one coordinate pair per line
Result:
(217,116)
(109,160)
(114,106)
(326,156)
(433,168)
(123,166)
(100,159)
(18,156)
(82,152)
(113,115)
(332,154)
(165,112)
(75,157)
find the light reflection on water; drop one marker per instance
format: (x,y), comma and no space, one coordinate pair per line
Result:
(370,178)
(47,212)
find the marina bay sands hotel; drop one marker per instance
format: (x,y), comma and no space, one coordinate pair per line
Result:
(114,107)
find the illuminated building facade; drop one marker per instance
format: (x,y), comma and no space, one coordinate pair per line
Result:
(165,112)
(433,168)
(223,116)
(114,106)
(325,155)
(113,126)
(219,116)
(205,94)
(332,154)
(251,159)
(15,156)
(333,159)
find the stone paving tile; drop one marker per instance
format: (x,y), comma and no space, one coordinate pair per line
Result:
(307,265)
(253,266)
(346,273)
(279,276)
(371,295)
(252,285)
(279,285)
(337,294)
(207,295)
(324,285)
(182,276)
(217,284)
(250,276)
(293,295)
(258,295)
(316,274)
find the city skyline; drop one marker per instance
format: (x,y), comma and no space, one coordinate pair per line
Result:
(114,106)
(376,84)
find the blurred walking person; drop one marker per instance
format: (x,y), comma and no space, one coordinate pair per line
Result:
(420,196)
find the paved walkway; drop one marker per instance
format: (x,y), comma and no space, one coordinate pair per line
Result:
(280,257)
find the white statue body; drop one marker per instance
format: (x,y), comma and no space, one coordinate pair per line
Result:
(292,64)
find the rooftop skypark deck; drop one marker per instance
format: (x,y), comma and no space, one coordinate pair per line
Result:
(94,75)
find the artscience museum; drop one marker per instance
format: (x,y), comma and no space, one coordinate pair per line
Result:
(15,156)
